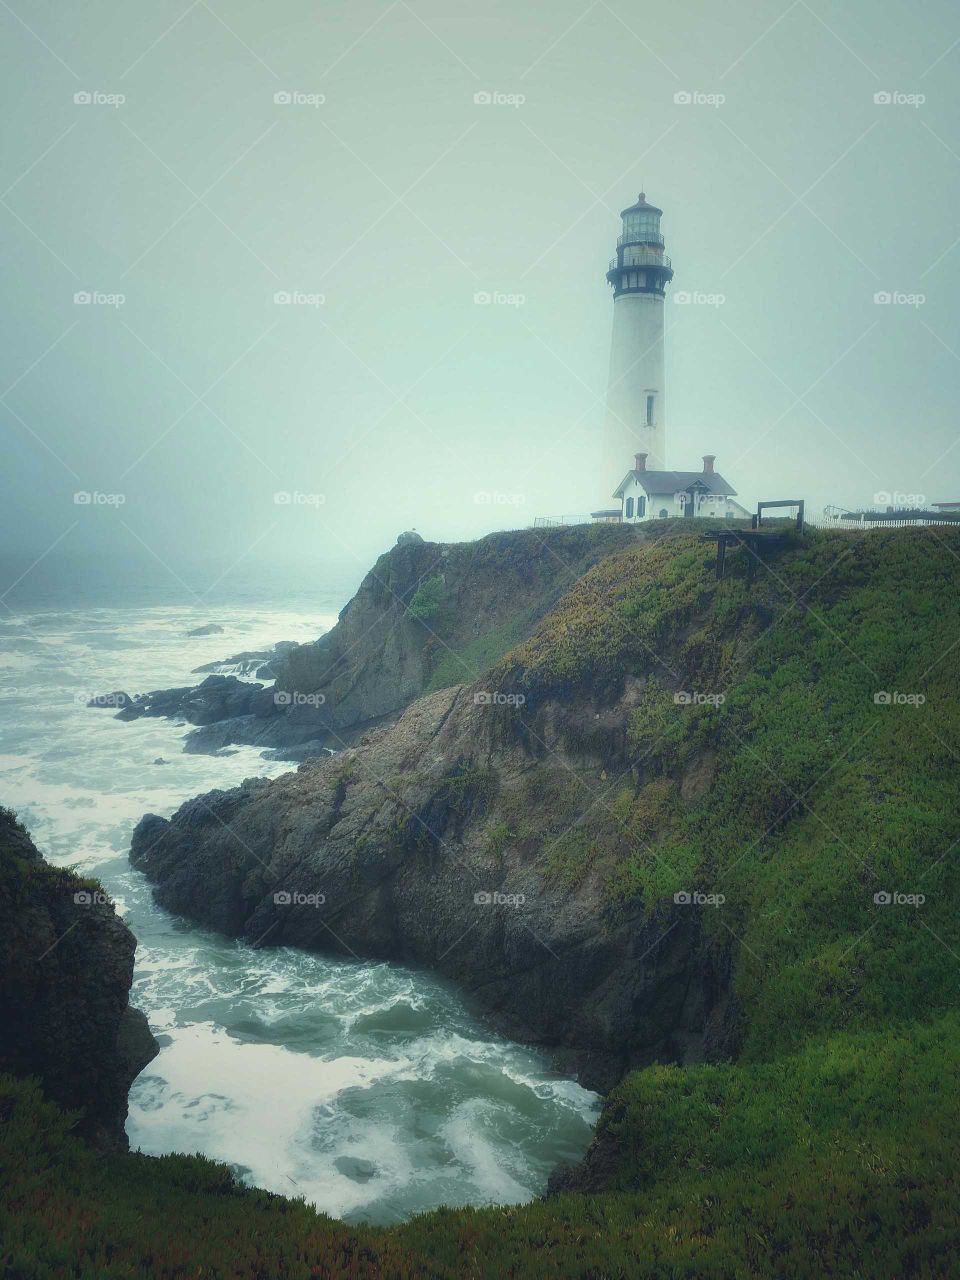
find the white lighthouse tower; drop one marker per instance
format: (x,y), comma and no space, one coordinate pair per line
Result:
(639,274)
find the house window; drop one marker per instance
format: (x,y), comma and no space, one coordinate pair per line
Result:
(641,507)
(650,408)
(663,513)
(628,509)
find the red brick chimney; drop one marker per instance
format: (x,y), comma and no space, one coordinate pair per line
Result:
(640,460)
(708,460)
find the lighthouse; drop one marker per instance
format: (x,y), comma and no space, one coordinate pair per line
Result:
(639,274)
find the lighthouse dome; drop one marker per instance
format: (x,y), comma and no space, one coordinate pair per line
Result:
(642,206)
(641,223)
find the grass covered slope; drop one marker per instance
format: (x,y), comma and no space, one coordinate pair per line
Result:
(839,1161)
(795,749)
(784,787)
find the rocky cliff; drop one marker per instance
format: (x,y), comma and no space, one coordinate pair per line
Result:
(478,835)
(427,616)
(66,962)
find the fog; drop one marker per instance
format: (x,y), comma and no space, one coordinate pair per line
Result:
(423,157)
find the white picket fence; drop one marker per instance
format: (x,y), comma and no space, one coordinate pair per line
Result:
(861,526)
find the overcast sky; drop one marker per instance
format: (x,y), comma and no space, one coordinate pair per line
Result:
(384,197)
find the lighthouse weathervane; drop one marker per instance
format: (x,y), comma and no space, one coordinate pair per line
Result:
(639,275)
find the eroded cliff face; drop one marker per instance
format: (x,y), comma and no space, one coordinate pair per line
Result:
(433,843)
(66,963)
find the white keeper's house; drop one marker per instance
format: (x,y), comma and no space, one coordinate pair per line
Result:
(657,495)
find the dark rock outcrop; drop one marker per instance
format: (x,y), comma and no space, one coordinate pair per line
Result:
(391,850)
(216,698)
(66,963)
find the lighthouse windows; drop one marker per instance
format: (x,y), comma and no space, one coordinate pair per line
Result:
(640,227)
(628,509)
(651,410)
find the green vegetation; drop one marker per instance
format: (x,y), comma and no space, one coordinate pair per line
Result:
(427,599)
(469,662)
(818,796)
(783,784)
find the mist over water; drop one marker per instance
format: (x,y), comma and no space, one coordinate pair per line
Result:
(367,1088)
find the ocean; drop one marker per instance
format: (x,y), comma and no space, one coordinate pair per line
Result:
(369,1089)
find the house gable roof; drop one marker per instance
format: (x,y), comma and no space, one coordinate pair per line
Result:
(663,482)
